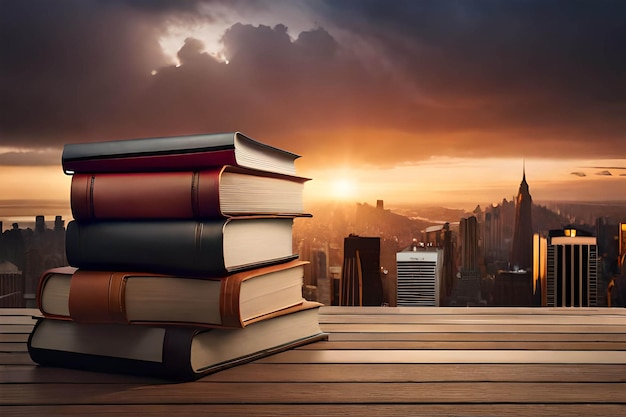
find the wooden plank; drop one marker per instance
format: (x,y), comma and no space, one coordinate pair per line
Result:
(438,311)
(15,358)
(448,356)
(475,319)
(321,410)
(569,311)
(279,372)
(322,372)
(461,345)
(311,393)
(12,347)
(464,328)
(20,374)
(529,336)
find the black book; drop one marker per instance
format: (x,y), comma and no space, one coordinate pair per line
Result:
(188,247)
(178,353)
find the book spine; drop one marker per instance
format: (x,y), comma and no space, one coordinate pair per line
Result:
(177,354)
(169,247)
(98,297)
(155,195)
(230,303)
(81,196)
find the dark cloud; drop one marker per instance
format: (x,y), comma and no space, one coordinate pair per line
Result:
(383,82)
(515,64)
(161,6)
(514,45)
(68,67)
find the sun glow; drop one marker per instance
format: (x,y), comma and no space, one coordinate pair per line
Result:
(343,188)
(465,183)
(210,35)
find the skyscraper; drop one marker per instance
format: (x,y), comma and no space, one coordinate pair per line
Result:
(521,251)
(493,237)
(571,269)
(361,283)
(467,285)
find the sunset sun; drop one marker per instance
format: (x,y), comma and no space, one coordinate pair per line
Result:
(343,188)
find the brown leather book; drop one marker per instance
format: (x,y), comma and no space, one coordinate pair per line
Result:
(234,301)
(213,193)
(172,352)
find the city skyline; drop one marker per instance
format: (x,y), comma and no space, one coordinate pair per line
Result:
(431,102)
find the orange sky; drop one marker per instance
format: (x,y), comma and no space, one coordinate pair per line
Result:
(432,102)
(452,182)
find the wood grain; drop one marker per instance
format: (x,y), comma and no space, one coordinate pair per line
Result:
(305,393)
(377,361)
(321,410)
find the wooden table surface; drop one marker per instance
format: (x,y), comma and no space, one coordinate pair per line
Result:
(378,361)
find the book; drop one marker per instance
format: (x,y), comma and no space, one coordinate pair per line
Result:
(172,352)
(219,192)
(175,153)
(234,301)
(186,247)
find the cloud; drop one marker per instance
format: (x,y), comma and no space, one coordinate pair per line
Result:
(369,82)
(30,158)
(68,68)
(608,167)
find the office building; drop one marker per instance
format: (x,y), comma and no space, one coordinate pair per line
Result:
(419,276)
(571,269)
(467,289)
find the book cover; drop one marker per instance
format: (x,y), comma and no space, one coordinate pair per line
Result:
(213,193)
(190,152)
(172,352)
(234,301)
(185,247)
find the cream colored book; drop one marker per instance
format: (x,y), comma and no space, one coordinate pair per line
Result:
(173,352)
(236,300)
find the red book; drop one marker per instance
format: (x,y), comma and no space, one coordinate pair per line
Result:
(219,192)
(176,153)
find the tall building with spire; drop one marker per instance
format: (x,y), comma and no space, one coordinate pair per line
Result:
(522,248)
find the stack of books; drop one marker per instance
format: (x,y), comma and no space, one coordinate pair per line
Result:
(181,258)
